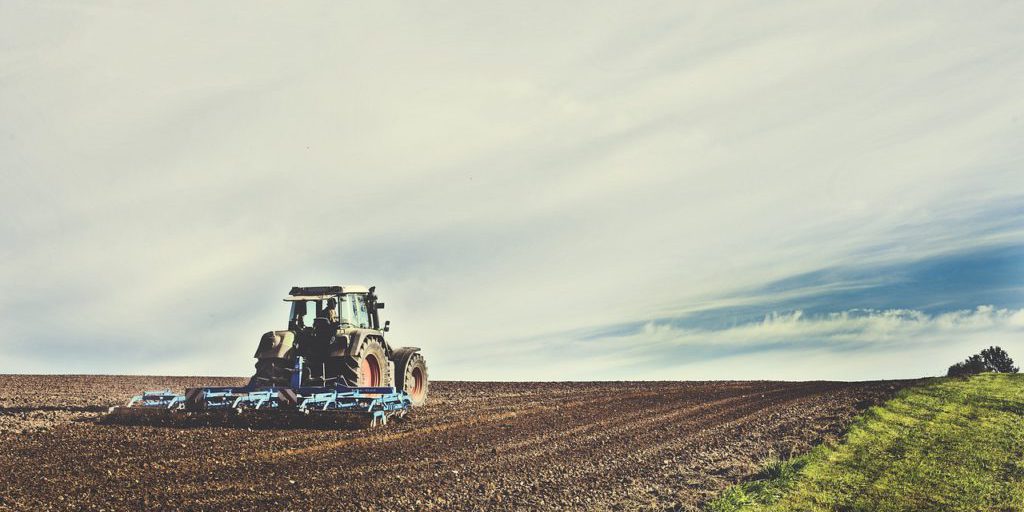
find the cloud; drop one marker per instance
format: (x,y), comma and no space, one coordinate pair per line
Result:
(854,344)
(501,173)
(840,328)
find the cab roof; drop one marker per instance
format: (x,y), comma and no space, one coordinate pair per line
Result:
(323,292)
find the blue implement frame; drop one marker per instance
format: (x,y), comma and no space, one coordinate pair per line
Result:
(377,404)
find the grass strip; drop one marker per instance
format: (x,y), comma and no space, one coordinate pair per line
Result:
(950,444)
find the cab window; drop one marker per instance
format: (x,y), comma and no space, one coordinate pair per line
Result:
(353,311)
(362,315)
(304,312)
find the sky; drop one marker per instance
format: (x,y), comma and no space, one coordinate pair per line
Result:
(567,191)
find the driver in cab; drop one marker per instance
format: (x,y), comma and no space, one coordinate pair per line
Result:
(330,311)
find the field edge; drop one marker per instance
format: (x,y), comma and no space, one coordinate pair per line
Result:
(914,439)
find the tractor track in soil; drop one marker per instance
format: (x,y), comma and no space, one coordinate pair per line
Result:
(492,446)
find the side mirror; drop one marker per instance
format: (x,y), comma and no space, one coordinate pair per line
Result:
(387,326)
(379,305)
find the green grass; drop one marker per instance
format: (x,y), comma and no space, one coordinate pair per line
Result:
(947,445)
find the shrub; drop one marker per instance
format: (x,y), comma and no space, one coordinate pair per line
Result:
(992,359)
(998,360)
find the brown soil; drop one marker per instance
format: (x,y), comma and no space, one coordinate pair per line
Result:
(494,446)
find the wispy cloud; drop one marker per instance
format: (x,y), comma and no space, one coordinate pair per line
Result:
(853,327)
(854,344)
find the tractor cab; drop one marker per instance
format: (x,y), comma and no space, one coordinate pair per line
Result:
(349,310)
(353,307)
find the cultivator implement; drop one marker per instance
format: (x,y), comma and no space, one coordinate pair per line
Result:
(363,406)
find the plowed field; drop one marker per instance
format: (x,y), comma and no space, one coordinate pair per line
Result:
(494,446)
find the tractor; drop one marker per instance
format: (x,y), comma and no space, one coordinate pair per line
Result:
(338,332)
(332,363)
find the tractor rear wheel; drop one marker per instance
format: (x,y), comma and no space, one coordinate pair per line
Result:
(272,372)
(411,375)
(368,368)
